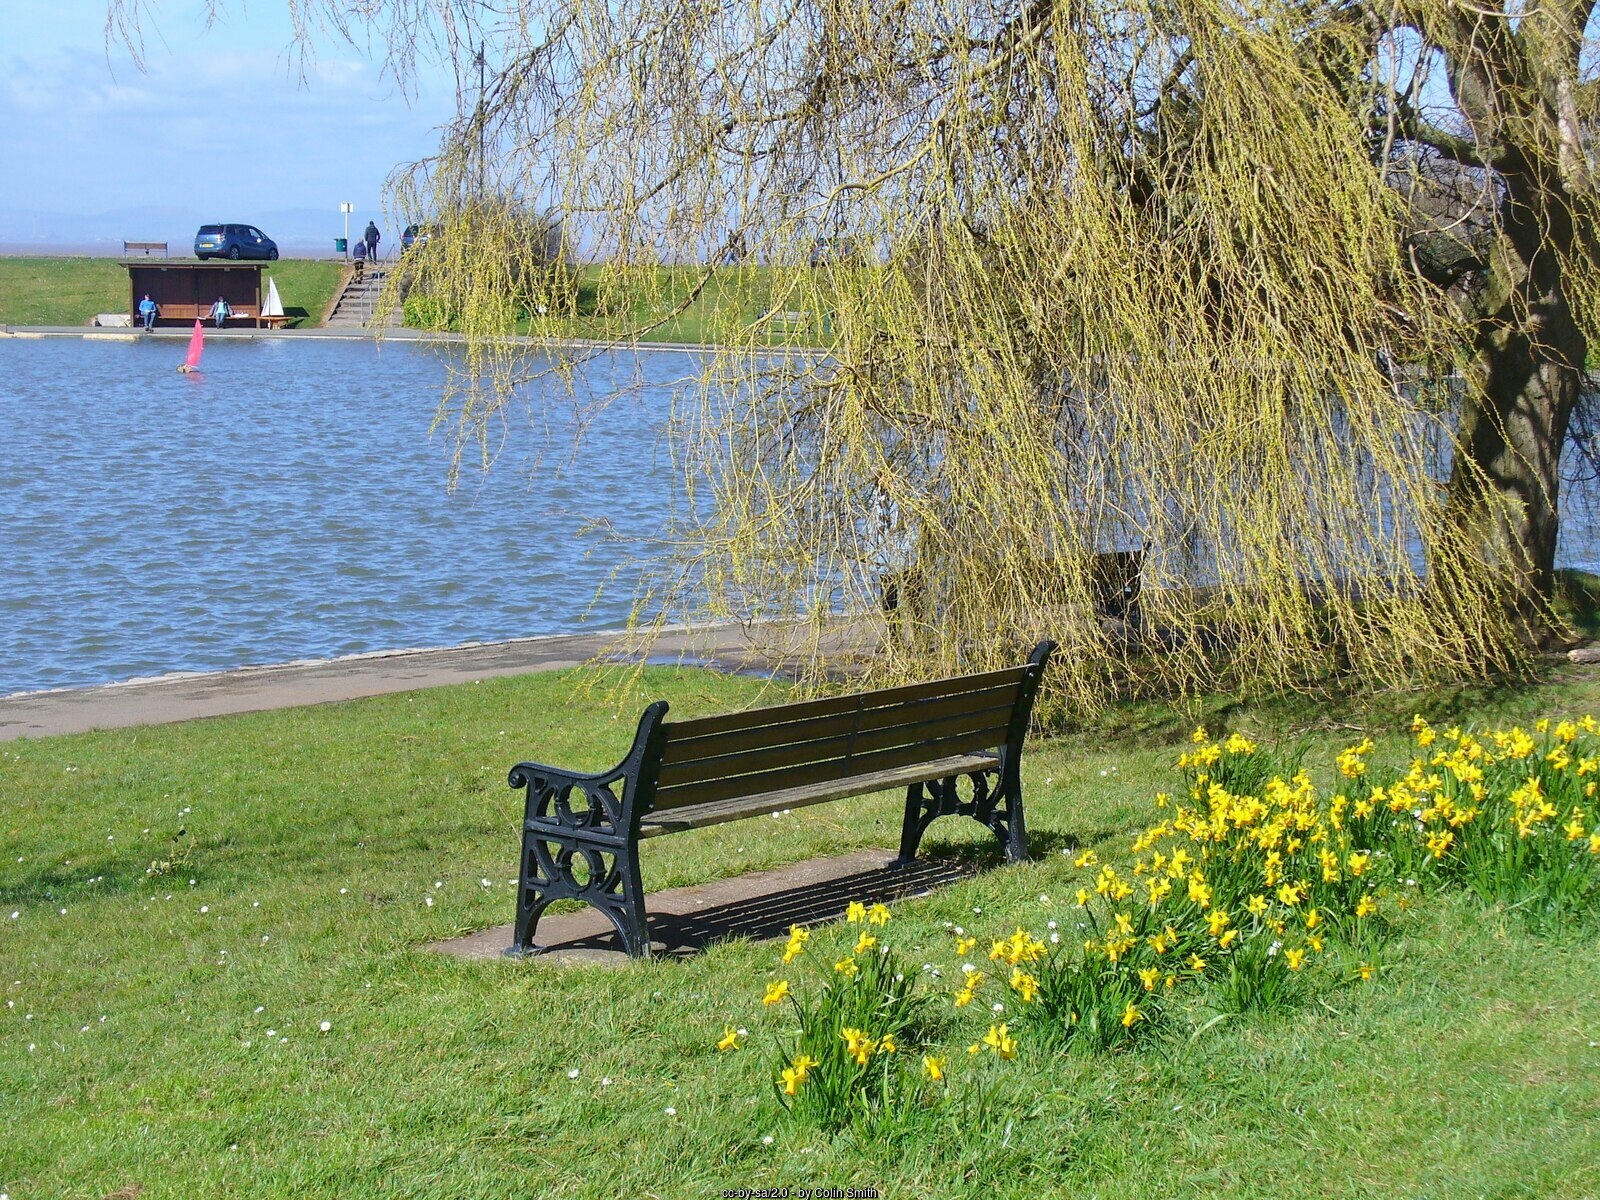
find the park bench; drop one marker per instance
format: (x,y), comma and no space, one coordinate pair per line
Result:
(147,248)
(581,832)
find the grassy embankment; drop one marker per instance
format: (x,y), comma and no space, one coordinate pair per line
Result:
(70,291)
(164,1032)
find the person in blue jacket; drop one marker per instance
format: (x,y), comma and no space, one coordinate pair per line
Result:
(148,311)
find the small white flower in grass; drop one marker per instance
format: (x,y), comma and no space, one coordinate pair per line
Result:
(967,968)
(999,1008)
(606,1082)
(205,908)
(572,1074)
(958,931)
(261,1008)
(671,1112)
(977,912)
(485,883)
(344,891)
(325,1026)
(30,1047)
(63,912)
(191,883)
(85,1029)
(15,915)
(1055,939)
(102,1016)
(111,837)
(437,885)
(428,900)
(282,1040)
(248,1043)
(253,903)
(1050,925)
(1177,1108)
(1043,899)
(266,937)
(1102,774)
(767,1140)
(272,1033)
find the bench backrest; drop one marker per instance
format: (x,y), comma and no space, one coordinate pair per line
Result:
(822,741)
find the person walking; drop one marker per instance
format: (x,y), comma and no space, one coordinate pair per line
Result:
(371,237)
(148,311)
(359,254)
(220,311)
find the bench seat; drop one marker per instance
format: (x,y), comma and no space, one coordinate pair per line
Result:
(715,812)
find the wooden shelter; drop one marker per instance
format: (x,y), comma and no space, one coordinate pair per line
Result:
(186,290)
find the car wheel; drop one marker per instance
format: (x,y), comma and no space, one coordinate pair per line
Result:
(272,255)
(234,253)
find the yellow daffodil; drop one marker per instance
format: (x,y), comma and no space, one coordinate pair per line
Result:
(964,944)
(878,914)
(1256,905)
(1217,920)
(730,1039)
(1000,1041)
(865,942)
(1364,970)
(846,967)
(1196,963)
(1358,863)
(1294,958)
(858,1045)
(933,1067)
(855,912)
(1083,897)
(1087,859)
(1366,906)
(776,991)
(1025,985)
(887,1044)
(1130,1015)
(1313,919)
(1315,943)
(1150,976)
(1227,939)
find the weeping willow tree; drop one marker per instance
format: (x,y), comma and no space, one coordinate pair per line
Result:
(1287,304)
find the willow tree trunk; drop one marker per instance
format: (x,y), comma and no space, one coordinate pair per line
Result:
(1528,362)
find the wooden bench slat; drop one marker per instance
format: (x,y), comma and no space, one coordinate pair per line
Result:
(968,742)
(699,816)
(912,725)
(759,735)
(783,714)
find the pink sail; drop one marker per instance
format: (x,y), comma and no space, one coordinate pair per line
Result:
(197,343)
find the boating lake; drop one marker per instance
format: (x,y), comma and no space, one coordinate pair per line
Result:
(288,503)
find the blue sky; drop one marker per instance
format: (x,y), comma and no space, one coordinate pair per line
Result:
(219,121)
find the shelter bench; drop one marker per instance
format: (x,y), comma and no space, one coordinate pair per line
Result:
(581,832)
(147,248)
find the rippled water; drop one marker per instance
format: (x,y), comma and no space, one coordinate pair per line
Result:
(289,503)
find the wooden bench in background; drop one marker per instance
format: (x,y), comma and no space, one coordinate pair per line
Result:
(147,248)
(581,832)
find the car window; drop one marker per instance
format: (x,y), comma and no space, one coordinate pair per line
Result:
(212,229)
(256,233)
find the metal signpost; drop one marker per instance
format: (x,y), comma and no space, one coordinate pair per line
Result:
(347,208)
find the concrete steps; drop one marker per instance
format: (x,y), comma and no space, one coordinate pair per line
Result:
(358,304)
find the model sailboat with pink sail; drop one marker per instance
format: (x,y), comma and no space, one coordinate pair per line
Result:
(197,344)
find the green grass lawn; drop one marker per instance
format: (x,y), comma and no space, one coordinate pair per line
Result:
(165,1031)
(70,291)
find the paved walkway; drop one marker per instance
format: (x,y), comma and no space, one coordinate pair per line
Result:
(254,689)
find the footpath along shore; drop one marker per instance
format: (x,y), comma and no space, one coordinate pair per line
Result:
(186,697)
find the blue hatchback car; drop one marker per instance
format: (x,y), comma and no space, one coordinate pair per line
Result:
(233,241)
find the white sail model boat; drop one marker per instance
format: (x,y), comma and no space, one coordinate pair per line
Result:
(272,307)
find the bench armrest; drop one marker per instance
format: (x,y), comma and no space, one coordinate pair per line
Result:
(604,808)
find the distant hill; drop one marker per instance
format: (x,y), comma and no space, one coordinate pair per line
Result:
(298,231)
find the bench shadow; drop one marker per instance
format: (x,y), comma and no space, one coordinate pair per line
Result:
(768,917)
